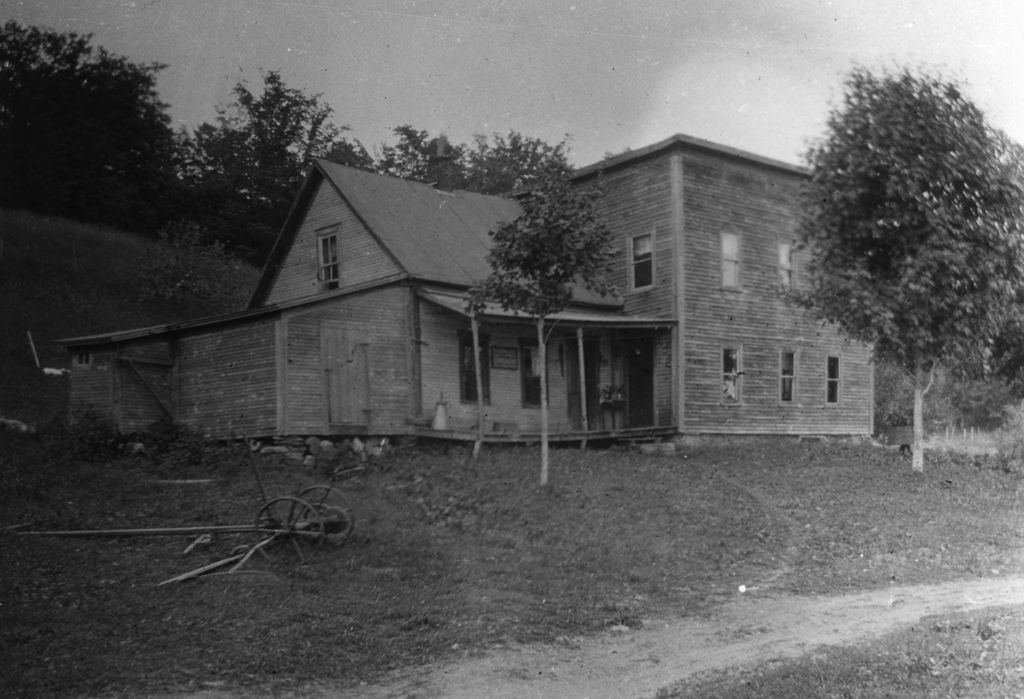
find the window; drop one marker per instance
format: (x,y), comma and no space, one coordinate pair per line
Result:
(786,265)
(642,257)
(467,369)
(731,375)
(330,263)
(730,260)
(787,376)
(832,380)
(529,371)
(83,358)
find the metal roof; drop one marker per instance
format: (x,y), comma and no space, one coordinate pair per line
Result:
(433,234)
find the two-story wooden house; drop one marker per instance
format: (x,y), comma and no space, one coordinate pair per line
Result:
(359,325)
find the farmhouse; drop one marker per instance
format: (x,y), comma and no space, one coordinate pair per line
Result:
(358,324)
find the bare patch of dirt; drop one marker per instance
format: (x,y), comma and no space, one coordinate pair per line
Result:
(755,627)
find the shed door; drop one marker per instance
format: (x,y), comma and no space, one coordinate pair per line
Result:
(346,376)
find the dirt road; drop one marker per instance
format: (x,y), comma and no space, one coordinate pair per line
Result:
(752,628)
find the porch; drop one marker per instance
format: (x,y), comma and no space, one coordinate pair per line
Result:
(609,376)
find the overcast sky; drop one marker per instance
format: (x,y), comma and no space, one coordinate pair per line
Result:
(759,76)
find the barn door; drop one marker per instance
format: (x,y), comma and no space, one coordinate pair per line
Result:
(346,376)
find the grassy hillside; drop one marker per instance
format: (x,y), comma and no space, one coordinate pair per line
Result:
(62,279)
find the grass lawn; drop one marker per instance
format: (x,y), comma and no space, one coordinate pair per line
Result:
(453,556)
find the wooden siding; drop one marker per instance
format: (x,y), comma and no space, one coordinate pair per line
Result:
(226,380)
(362,258)
(634,202)
(91,387)
(372,328)
(439,355)
(758,203)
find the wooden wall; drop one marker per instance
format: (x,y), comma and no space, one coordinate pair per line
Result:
(377,327)
(439,351)
(758,203)
(362,259)
(226,380)
(687,197)
(91,387)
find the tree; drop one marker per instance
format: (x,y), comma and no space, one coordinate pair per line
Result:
(556,243)
(419,157)
(83,133)
(512,163)
(501,164)
(241,172)
(913,223)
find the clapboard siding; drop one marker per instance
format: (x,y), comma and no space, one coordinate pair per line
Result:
(758,203)
(226,380)
(91,386)
(377,320)
(439,356)
(362,258)
(635,202)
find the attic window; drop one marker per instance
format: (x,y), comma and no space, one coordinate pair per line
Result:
(83,358)
(328,257)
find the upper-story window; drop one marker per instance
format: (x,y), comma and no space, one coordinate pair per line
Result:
(730,260)
(786,265)
(83,358)
(642,261)
(328,257)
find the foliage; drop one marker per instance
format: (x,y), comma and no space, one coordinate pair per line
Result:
(185,268)
(913,220)
(953,401)
(83,133)
(557,242)
(240,173)
(501,164)
(914,210)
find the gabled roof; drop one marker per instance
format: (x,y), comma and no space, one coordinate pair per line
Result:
(433,235)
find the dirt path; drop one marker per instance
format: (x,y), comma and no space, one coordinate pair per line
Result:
(753,628)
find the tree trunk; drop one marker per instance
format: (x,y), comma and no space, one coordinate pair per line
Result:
(478,443)
(542,356)
(922,382)
(581,358)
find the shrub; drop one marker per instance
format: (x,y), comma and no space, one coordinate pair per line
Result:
(187,267)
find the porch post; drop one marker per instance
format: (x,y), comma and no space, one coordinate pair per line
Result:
(475,326)
(584,422)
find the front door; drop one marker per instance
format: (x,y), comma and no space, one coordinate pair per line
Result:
(638,355)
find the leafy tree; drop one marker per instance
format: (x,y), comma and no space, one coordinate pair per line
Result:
(82,131)
(512,163)
(501,164)
(913,221)
(557,243)
(417,156)
(241,173)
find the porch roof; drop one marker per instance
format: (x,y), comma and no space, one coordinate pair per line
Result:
(494,313)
